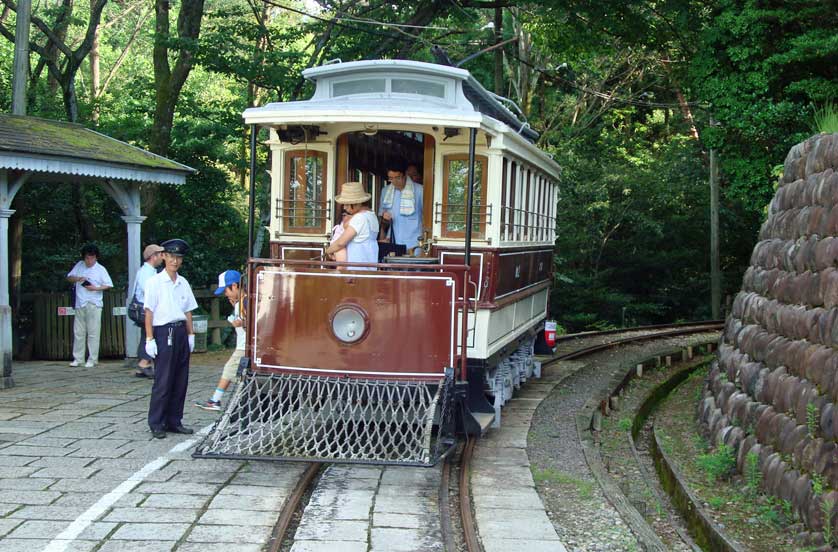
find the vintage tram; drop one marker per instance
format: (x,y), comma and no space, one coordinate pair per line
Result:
(389,363)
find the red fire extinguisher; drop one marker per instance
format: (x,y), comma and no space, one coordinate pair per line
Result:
(550,333)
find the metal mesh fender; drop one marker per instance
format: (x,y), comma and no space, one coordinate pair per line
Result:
(330,419)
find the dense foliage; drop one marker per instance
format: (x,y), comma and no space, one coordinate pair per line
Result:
(622,92)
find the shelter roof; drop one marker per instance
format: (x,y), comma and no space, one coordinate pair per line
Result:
(42,145)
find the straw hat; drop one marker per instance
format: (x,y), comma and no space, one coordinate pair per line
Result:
(352,193)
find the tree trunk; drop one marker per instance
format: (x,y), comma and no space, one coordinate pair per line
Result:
(62,21)
(94,72)
(71,102)
(169,81)
(16,253)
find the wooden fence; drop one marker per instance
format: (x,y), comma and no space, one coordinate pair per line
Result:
(52,332)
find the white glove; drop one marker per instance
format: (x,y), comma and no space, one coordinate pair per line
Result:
(191,343)
(151,348)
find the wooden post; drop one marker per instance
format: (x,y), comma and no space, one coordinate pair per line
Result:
(215,314)
(21,61)
(715,274)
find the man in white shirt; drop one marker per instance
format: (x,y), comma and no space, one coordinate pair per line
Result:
(90,279)
(169,303)
(153,257)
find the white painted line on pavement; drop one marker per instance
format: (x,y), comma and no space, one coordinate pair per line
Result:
(68,535)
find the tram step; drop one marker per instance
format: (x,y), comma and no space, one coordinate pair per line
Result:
(485,420)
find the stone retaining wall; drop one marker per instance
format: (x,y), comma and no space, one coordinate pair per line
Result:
(773,391)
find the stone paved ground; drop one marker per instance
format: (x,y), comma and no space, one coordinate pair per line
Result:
(509,513)
(79,470)
(372,508)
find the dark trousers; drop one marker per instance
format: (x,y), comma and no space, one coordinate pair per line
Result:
(171,377)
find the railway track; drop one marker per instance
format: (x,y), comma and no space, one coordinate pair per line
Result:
(456,528)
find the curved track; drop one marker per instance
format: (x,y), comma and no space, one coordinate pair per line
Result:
(569,347)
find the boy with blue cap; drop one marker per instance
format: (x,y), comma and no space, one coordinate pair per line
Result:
(229,283)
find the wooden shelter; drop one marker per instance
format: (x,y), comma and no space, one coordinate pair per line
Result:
(34,150)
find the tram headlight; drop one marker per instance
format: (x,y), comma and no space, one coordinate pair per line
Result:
(349,324)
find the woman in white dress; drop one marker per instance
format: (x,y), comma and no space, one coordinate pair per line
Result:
(360,239)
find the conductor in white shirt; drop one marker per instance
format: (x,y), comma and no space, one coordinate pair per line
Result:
(169,303)
(90,279)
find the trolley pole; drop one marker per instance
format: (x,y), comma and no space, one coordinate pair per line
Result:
(472,138)
(715,272)
(21,60)
(252,200)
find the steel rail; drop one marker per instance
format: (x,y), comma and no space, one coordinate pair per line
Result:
(583,335)
(469,527)
(445,506)
(633,339)
(289,508)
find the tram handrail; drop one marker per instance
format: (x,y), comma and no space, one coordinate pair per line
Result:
(381,266)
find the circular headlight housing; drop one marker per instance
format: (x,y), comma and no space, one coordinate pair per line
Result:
(349,324)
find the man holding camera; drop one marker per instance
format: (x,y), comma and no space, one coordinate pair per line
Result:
(90,279)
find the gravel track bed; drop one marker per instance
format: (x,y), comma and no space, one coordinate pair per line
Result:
(581,514)
(638,480)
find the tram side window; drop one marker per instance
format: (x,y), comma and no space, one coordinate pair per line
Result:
(303,206)
(455,196)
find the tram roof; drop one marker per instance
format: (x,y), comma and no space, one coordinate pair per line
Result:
(392,92)
(401,92)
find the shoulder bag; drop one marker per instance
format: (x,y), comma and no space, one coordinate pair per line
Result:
(136,310)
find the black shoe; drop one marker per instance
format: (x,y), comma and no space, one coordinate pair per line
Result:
(144,372)
(181,429)
(158,433)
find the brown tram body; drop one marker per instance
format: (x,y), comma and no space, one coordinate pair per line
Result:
(409,350)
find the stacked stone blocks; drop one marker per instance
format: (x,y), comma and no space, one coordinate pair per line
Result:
(772,393)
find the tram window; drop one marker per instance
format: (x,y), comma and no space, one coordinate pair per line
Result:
(363,86)
(414,86)
(455,195)
(303,208)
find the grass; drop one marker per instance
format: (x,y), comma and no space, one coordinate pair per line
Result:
(718,464)
(555,477)
(826,117)
(757,520)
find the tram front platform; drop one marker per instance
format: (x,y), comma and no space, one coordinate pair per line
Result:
(80,471)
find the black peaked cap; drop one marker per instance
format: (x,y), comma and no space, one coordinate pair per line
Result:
(175,247)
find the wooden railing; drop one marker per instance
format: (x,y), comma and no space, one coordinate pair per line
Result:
(50,332)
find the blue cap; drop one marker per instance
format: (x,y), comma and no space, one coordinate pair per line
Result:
(227,278)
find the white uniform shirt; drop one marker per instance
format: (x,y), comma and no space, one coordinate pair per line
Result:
(96,275)
(240,337)
(143,274)
(168,301)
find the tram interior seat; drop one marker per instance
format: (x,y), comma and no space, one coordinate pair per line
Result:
(389,250)
(419,264)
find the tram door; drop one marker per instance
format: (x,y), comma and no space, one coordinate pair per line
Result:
(363,157)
